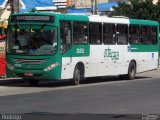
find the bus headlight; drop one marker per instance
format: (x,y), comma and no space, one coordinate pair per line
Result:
(50,67)
(10,66)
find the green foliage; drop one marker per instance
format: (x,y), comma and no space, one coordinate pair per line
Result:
(33,10)
(138,9)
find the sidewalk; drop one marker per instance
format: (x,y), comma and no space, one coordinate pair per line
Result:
(151,74)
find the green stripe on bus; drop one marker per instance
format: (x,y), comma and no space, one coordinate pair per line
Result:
(143,48)
(143,22)
(78,51)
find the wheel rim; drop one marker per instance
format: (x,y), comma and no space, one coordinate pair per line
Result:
(77,76)
(132,72)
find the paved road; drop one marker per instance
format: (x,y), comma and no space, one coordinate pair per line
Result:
(99,96)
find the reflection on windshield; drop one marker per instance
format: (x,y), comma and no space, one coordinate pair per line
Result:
(32,41)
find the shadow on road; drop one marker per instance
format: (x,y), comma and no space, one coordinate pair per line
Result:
(54,83)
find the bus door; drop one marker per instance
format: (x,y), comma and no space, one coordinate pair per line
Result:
(66,43)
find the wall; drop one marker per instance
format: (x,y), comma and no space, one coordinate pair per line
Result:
(86,3)
(4,13)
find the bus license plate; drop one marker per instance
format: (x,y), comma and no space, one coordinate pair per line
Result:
(28,74)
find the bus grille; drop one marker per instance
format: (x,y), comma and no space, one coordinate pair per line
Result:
(24,61)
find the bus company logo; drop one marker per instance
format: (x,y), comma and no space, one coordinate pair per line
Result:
(109,54)
(80,50)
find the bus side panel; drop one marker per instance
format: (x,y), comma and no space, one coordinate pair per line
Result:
(153,60)
(96,67)
(107,60)
(147,57)
(142,61)
(76,54)
(117,58)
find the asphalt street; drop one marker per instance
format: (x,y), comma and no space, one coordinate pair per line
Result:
(93,96)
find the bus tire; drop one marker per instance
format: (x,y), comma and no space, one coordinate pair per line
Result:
(77,76)
(33,82)
(131,71)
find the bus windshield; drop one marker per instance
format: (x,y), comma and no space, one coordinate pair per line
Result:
(32,39)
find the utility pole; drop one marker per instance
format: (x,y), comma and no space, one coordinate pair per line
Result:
(11,6)
(92,11)
(14,6)
(96,8)
(18,5)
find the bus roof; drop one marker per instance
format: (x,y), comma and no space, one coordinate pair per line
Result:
(92,18)
(105,19)
(143,22)
(72,17)
(58,15)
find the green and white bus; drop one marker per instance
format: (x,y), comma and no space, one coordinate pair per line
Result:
(62,46)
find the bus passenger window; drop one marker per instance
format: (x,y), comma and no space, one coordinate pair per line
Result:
(95,33)
(134,34)
(122,34)
(109,34)
(80,32)
(66,33)
(146,33)
(154,35)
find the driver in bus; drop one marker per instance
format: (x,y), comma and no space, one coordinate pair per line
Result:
(23,38)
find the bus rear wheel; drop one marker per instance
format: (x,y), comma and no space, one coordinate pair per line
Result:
(131,71)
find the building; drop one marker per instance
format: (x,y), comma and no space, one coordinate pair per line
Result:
(86,3)
(117,0)
(4,13)
(61,4)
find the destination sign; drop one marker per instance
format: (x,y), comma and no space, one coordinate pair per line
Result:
(32,18)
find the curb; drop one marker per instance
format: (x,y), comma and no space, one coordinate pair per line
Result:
(4,78)
(11,80)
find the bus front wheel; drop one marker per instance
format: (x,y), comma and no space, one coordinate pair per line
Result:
(77,76)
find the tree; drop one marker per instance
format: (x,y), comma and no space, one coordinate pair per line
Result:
(138,9)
